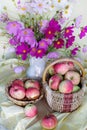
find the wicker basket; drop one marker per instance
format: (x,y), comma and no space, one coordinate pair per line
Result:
(64,102)
(25,101)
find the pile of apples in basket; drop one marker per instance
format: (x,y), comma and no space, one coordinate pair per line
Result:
(64,78)
(25,90)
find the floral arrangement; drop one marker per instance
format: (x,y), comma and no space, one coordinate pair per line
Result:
(36,34)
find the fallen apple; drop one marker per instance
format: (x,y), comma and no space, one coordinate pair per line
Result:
(49,122)
(30,110)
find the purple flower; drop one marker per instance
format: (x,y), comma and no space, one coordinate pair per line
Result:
(43,44)
(14,41)
(83,32)
(49,41)
(53,55)
(84,50)
(22,50)
(53,23)
(50,32)
(68,32)
(27,35)
(74,51)
(78,21)
(59,43)
(40,52)
(70,41)
(33,51)
(19,69)
(52,29)
(13,27)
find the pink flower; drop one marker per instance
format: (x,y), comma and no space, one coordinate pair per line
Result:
(68,32)
(74,51)
(43,44)
(33,51)
(27,35)
(23,50)
(52,28)
(40,52)
(70,41)
(83,32)
(59,43)
(13,27)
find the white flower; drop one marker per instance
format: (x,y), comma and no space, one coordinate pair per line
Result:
(22,8)
(67,11)
(60,3)
(40,6)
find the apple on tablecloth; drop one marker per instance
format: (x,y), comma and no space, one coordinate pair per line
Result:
(49,122)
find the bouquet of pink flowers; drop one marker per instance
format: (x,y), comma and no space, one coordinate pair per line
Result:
(38,37)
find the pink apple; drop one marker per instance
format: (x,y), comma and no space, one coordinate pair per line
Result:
(73,76)
(66,86)
(18,82)
(62,68)
(32,83)
(49,122)
(32,93)
(54,81)
(30,110)
(17,92)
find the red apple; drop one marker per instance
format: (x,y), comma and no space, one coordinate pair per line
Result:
(62,68)
(32,93)
(32,83)
(73,76)
(54,81)
(49,122)
(18,82)
(66,86)
(17,92)
(30,110)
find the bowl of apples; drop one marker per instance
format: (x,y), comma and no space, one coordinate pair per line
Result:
(24,91)
(63,82)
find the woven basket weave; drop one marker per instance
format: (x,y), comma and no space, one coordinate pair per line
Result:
(64,102)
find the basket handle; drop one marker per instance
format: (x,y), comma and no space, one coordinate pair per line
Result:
(63,60)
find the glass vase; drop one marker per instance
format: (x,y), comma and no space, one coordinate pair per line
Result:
(36,67)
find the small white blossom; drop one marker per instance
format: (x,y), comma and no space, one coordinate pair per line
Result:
(66,12)
(60,3)
(40,6)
